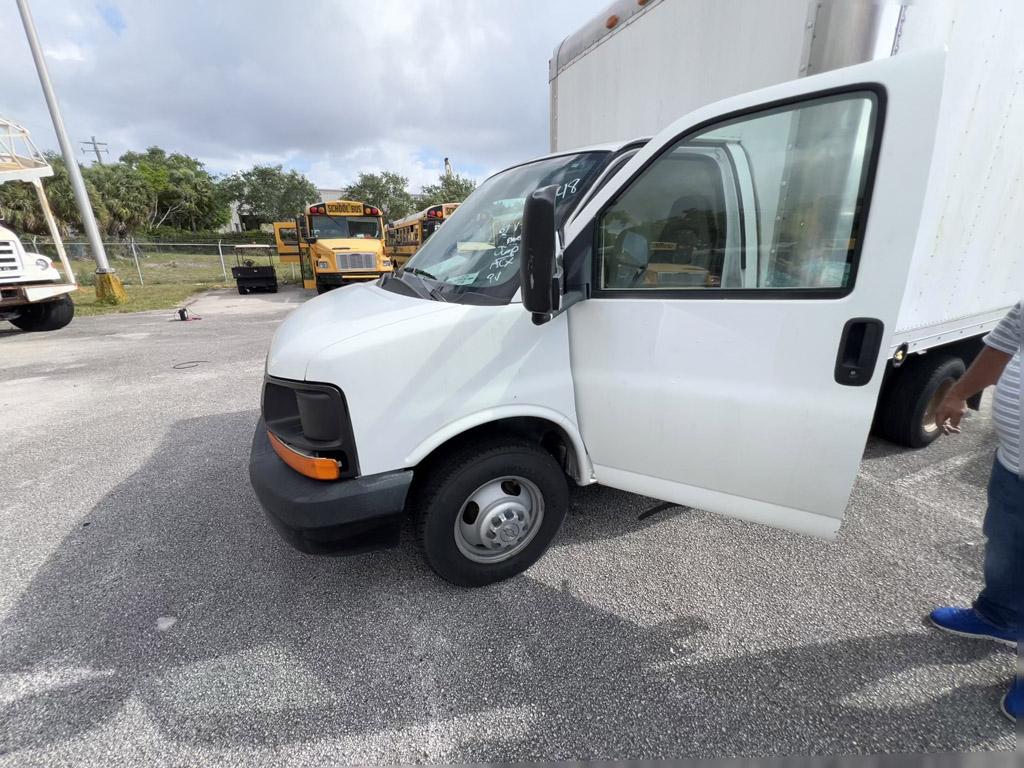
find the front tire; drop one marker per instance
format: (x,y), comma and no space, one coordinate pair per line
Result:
(47,316)
(488,512)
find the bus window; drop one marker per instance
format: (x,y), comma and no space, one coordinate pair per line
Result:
(339,227)
(363,227)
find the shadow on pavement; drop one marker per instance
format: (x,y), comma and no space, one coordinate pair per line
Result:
(175,594)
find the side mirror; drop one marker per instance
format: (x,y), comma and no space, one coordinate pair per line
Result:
(537,268)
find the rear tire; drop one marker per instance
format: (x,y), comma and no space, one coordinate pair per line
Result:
(242,290)
(488,512)
(47,316)
(906,412)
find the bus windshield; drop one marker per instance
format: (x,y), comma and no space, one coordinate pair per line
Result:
(338,227)
(475,255)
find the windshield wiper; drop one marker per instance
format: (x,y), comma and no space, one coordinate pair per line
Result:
(423,289)
(417,271)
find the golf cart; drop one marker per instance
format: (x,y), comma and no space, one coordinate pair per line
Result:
(252,277)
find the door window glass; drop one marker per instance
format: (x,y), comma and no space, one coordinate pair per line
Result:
(769,200)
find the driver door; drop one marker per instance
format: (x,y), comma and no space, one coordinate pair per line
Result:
(745,273)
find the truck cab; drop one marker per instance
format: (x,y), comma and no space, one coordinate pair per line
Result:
(695,318)
(33,294)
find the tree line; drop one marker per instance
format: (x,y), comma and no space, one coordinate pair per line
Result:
(156,193)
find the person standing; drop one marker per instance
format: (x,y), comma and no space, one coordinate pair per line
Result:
(998,611)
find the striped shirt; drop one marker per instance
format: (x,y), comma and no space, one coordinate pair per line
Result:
(1008,406)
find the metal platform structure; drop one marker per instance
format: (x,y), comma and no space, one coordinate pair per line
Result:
(21,160)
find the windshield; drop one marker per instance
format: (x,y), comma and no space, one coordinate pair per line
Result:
(475,256)
(336,227)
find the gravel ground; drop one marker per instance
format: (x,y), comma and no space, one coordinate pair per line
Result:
(150,616)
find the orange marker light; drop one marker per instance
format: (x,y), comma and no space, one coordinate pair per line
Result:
(310,466)
(612,21)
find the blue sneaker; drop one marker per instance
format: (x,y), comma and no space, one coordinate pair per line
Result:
(967,623)
(1013,701)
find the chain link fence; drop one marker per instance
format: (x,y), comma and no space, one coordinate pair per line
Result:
(143,263)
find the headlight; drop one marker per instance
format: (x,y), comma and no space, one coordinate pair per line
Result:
(42,263)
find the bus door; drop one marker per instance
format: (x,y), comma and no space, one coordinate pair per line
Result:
(286,238)
(305,252)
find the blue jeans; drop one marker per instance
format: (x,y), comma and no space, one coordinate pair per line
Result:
(1001,602)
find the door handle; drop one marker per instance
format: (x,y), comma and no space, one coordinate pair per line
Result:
(858,351)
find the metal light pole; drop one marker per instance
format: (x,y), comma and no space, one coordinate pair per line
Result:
(108,286)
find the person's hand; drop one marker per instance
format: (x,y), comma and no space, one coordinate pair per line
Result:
(950,411)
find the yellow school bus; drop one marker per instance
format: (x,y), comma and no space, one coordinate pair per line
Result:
(336,242)
(405,236)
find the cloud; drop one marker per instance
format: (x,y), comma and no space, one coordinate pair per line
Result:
(331,88)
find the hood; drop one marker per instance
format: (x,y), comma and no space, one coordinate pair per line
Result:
(336,316)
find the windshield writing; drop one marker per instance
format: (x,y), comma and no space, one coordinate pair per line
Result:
(477,248)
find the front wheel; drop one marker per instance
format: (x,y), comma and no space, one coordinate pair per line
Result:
(46,316)
(489,512)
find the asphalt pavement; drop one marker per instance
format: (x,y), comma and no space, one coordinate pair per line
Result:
(150,616)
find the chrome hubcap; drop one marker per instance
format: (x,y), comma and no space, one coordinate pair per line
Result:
(499,519)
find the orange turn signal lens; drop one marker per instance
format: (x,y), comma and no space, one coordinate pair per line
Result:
(310,466)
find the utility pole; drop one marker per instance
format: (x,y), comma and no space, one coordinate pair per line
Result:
(108,285)
(95,148)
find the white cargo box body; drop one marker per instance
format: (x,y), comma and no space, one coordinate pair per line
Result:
(667,57)
(967,267)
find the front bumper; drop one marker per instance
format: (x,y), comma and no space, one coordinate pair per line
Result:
(319,517)
(15,294)
(337,279)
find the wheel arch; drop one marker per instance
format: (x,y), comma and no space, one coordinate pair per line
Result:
(551,429)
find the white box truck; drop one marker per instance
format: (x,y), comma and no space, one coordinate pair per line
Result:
(638,65)
(697,317)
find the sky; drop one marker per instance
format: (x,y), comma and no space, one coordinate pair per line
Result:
(330,88)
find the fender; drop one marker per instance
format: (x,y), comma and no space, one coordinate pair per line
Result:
(585,472)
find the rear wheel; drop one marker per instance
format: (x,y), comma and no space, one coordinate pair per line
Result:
(489,512)
(907,412)
(243,290)
(46,316)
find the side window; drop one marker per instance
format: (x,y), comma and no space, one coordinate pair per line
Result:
(772,200)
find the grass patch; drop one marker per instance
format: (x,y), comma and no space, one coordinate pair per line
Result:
(168,279)
(140,298)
